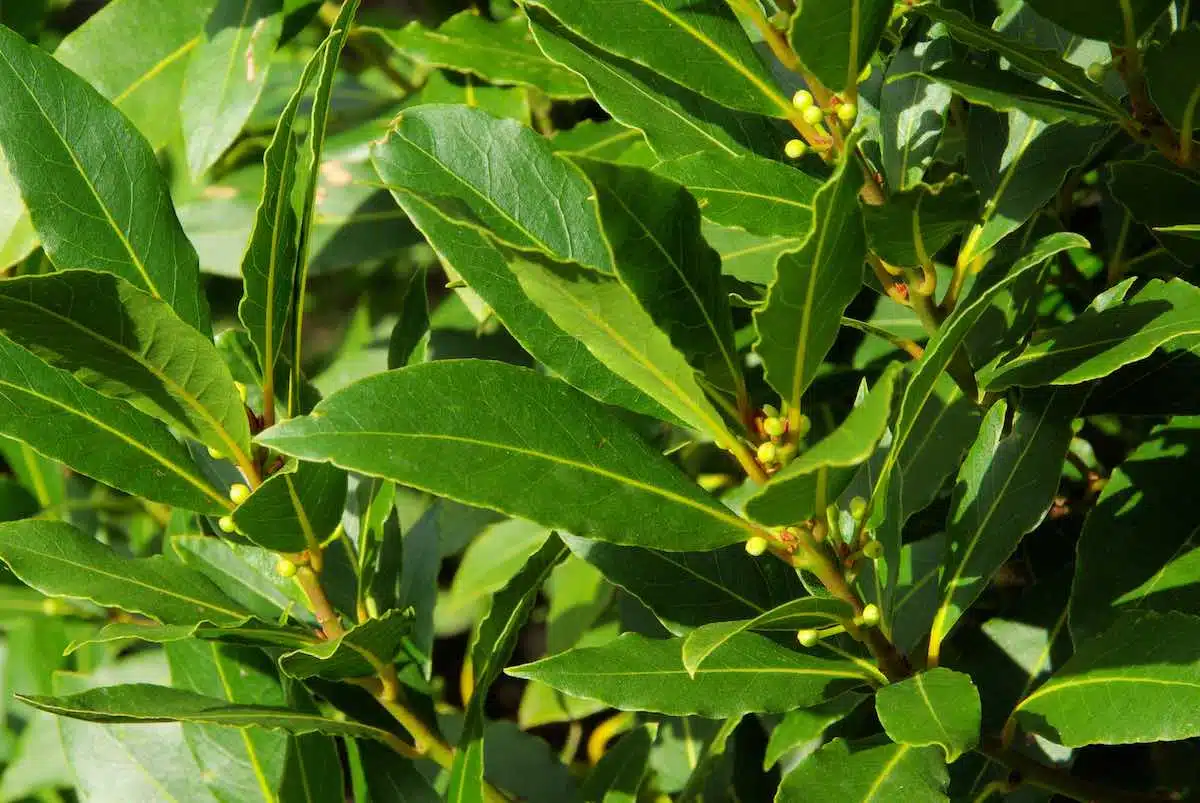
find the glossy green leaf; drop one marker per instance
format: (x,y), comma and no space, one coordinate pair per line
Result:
(246,574)
(1004,488)
(619,772)
(62,139)
(145,703)
(675,120)
(314,768)
(54,413)
(606,317)
(1161,196)
(918,222)
(270,264)
(720,63)
(1171,71)
(491,560)
(609,141)
(867,773)
(1137,549)
(254,634)
(571,448)
(748,257)
(124,341)
(225,76)
(835,39)
(432,152)
(1102,19)
(686,590)
(295,509)
(913,110)
(653,227)
(789,617)
(1068,76)
(1005,90)
(499,52)
(936,707)
(812,288)
(1099,342)
(360,652)
(485,269)
(235,763)
(1007,158)
(494,641)
(921,390)
(747,192)
(1142,673)
(819,475)
(144,82)
(60,561)
(409,341)
(636,673)
(803,725)
(391,779)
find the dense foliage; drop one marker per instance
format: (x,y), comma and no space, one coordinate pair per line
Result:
(583,400)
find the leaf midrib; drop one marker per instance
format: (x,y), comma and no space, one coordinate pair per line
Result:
(251,751)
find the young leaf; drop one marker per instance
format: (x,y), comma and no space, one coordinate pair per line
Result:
(242,763)
(1003,491)
(750,673)
(748,192)
(686,590)
(506,438)
(1137,550)
(485,268)
(789,617)
(604,314)
(653,227)
(819,475)
(867,772)
(698,44)
(1142,673)
(106,439)
(803,725)
(226,75)
(295,509)
(492,647)
(918,222)
(675,120)
(498,52)
(271,261)
(835,42)
(361,651)
(883,503)
(60,561)
(136,703)
(1068,76)
(433,152)
(937,707)
(125,341)
(812,288)
(62,139)
(1099,342)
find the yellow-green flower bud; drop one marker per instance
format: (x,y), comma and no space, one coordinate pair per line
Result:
(756,545)
(215,454)
(802,100)
(795,149)
(1097,70)
(226,524)
(858,506)
(803,425)
(239,493)
(767,453)
(833,519)
(285,567)
(808,637)
(870,615)
(774,427)
(813,115)
(873,550)
(770,411)
(847,112)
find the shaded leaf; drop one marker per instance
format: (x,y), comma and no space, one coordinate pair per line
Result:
(1103,19)
(63,140)
(812,288)
(913,110)
(836,39)
(1159,195)
(500,52)
(246,574)
(936,707)
(362,651)
(391,779)
(918,222)
(60,561)
(618,774)
(867,772)
(748,673)
(803,725)
(1005,90)
(1171,72)
(106,439)
(294,509)
(548,441)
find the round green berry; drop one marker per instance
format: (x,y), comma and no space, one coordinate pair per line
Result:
(774,427)
(803,425)
(802,99)
(1096,71)
(767,452)
(813,115)
(285,568)
(808,638)
(226,524)
(239,493)
(847,112)
(756,545)
(215,454)
(795,148)
(858,506)
(870,615)
(873,550)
